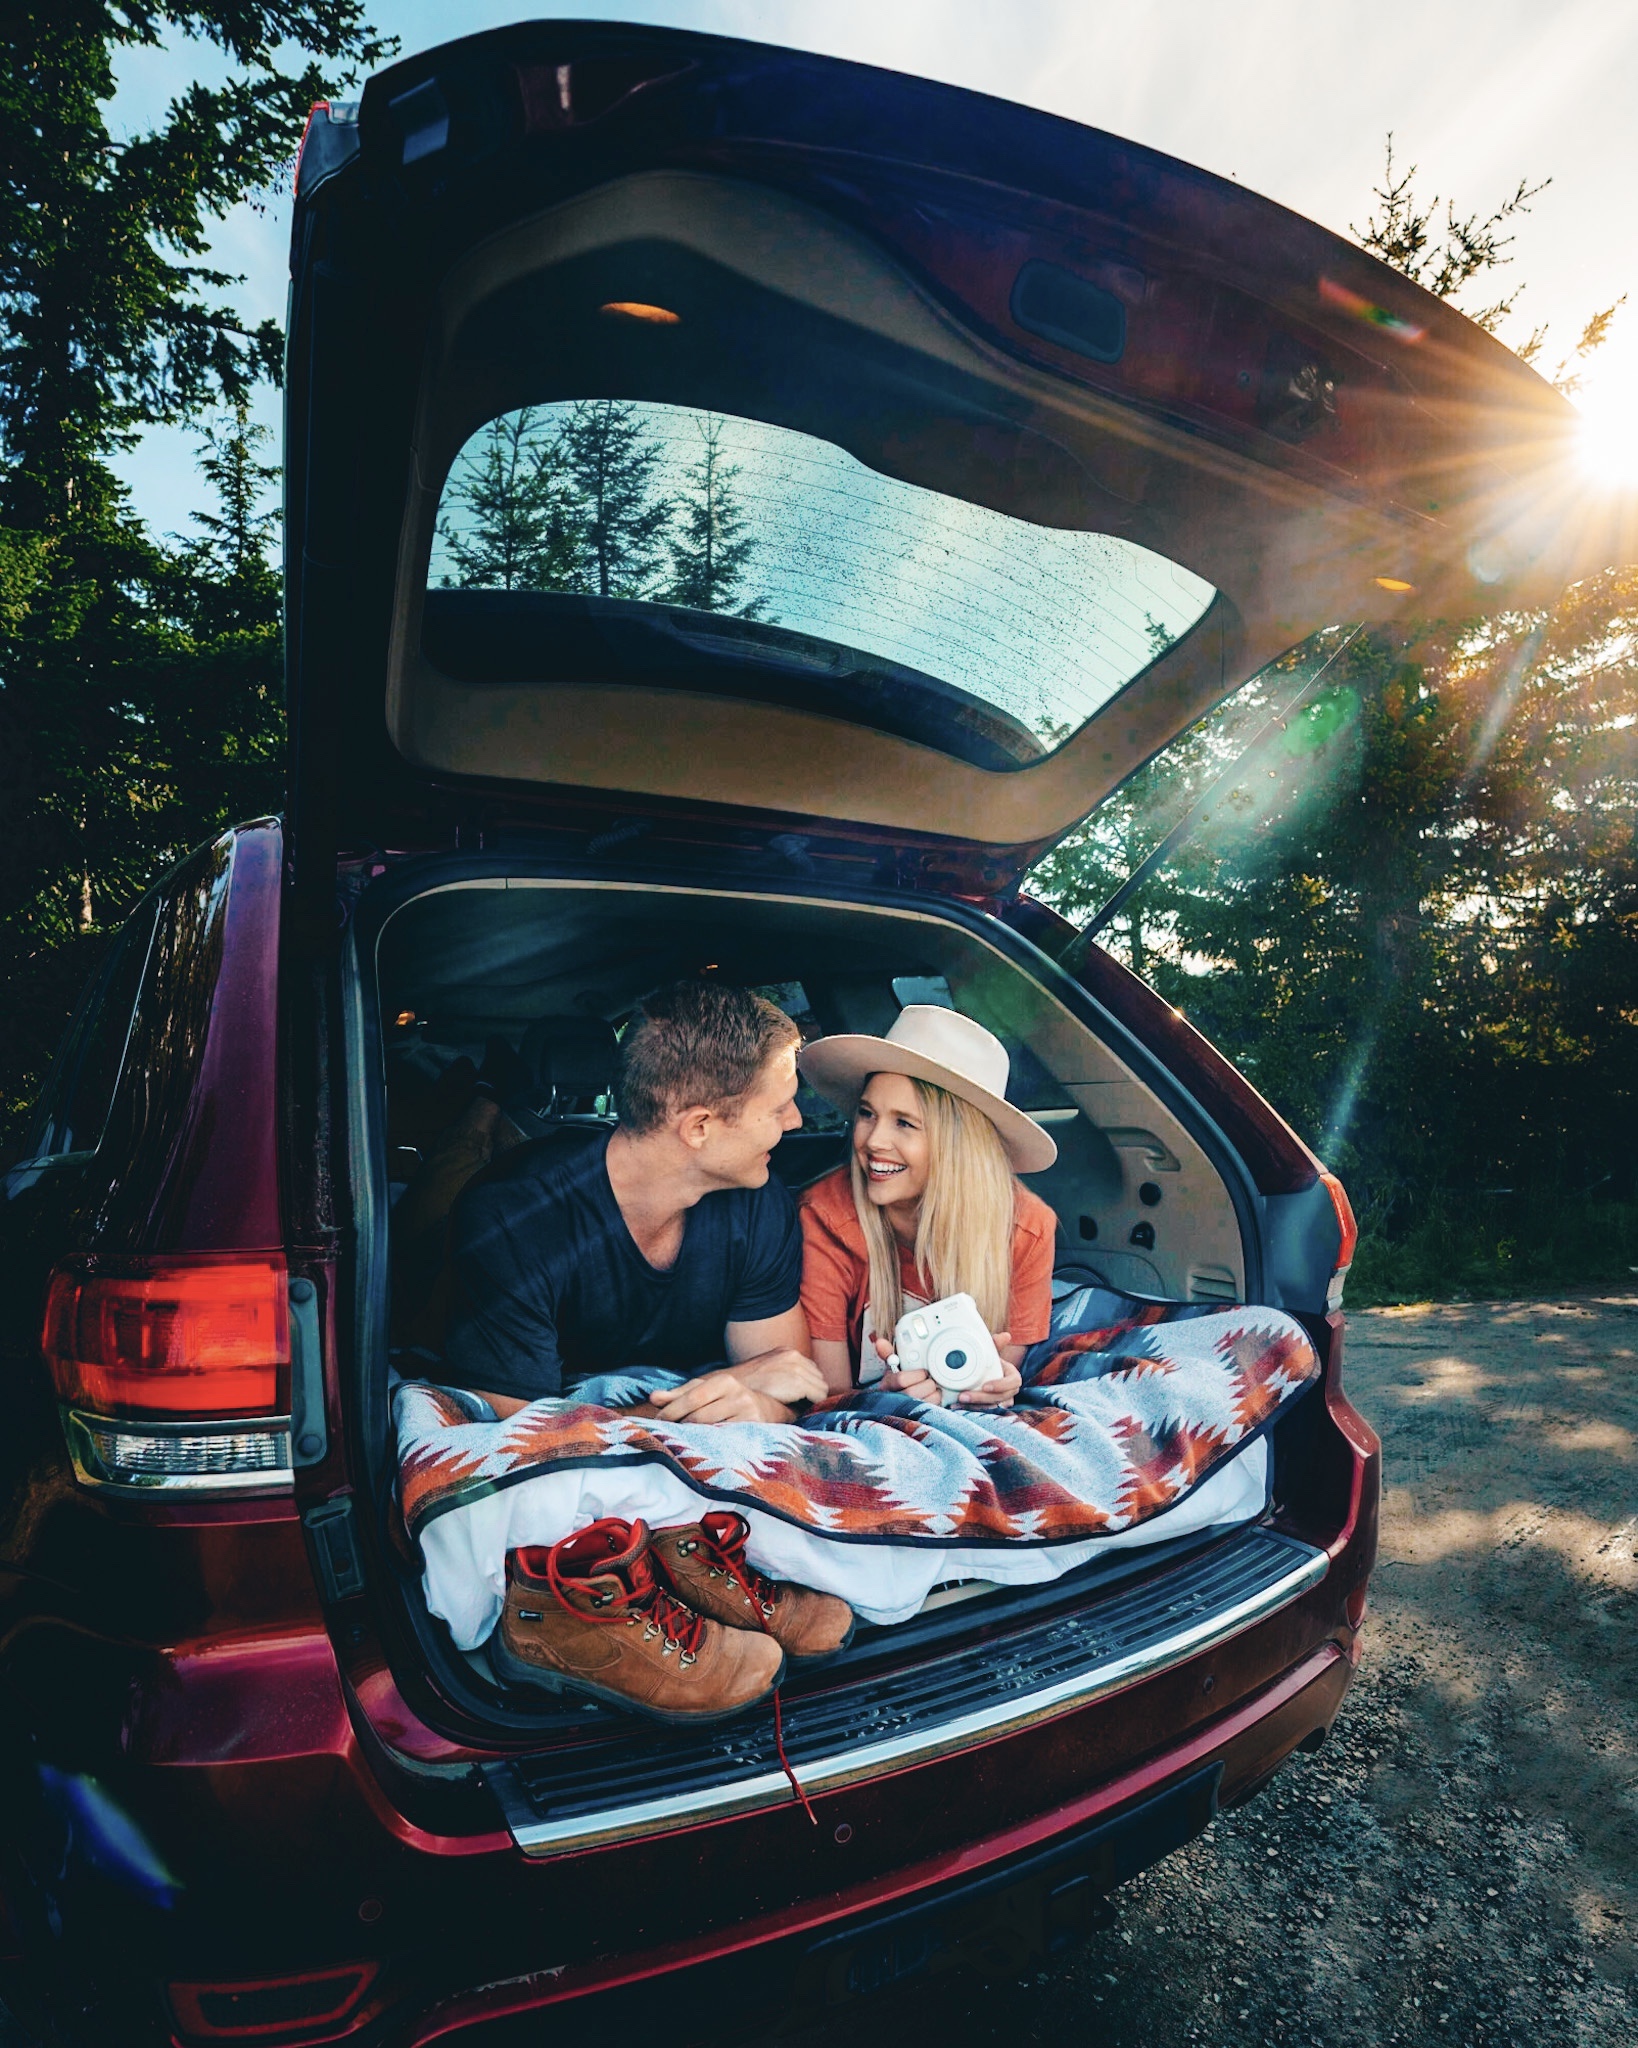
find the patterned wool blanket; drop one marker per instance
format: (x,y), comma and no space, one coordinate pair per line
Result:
(1131,1427)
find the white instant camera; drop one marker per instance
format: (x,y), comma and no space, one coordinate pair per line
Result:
(949,1340)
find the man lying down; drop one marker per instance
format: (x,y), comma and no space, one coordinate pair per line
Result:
(650,1319)
(667,1243)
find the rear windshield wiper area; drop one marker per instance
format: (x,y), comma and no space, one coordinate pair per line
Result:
(532,636)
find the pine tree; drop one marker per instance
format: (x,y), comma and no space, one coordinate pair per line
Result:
(509,519)
(609,462)
(231,562)
(104,323)
(710,555)
(116,751)
(221,713)
(1443,257)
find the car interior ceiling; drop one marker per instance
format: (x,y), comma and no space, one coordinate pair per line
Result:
(513,991)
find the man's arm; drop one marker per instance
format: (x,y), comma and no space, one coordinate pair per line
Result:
(770,1370)
(503,1404)
(749,1343)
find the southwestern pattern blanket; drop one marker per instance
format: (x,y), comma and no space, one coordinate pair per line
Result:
(1125,1420)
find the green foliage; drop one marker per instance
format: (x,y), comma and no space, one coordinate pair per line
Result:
(608,463)
(105,326)
(589,506)
(1497,1245)
(1411,916)
(710,554)
(509,520)
(139,682)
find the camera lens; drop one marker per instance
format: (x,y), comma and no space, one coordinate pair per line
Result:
(955,1360)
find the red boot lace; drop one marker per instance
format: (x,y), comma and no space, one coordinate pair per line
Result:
(725,1538)
(648,1598)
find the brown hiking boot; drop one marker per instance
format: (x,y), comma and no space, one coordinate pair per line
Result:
(706,1563)
(594,1614)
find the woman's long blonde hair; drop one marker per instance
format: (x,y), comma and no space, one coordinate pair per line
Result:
(964,1232)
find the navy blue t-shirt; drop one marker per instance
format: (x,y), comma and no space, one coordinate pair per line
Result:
(550,1286)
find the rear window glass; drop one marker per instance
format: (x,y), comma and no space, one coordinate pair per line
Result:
(605,538)
(74,1106)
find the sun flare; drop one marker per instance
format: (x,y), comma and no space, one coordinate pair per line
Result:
(1609,429)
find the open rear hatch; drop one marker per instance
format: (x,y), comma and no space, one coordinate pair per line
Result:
(1041,442)
(1041,445)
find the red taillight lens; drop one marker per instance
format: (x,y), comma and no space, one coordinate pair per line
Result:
(1349,1233)
(195,1337)
(1345,1219)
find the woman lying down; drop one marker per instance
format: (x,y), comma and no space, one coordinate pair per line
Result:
(896,1405)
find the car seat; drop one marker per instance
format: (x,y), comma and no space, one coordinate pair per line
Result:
(564,1068)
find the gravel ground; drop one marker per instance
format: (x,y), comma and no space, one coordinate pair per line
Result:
(1459,1864)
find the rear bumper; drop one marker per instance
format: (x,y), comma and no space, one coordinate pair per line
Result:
(1012,1894)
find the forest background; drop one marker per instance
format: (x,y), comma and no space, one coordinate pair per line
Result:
(1409,913)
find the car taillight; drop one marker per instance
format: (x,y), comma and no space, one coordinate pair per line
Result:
(1349,1230)
(173,1372)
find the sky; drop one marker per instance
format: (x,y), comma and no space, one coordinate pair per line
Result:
(1294,101)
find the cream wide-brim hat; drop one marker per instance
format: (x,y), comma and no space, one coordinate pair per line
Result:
(932,1044)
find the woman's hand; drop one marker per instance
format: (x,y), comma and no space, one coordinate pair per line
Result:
(761,1389)
(997,1393)
(994,1393)
(921,1386)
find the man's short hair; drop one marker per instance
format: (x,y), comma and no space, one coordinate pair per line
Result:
(696,1044)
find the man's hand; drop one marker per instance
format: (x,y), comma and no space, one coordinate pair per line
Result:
(761,1389)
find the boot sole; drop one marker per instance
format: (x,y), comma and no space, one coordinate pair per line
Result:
(516,1670)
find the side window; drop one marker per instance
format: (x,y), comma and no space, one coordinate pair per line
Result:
(78,1094)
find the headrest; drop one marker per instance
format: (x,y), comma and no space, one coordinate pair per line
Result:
(570,1061)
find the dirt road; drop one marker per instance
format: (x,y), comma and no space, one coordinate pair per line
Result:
(1460,1863)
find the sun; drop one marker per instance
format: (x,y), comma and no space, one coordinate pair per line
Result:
(1609,426)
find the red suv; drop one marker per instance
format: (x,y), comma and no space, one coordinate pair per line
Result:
(742,509)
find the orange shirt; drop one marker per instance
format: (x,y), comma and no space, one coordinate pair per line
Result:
(836,1267)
